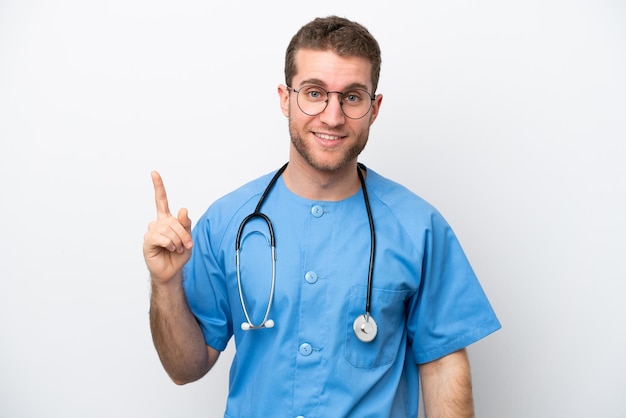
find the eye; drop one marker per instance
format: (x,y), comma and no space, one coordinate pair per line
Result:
(353,97)
(314,94)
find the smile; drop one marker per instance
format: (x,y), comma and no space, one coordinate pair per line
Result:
(327,137)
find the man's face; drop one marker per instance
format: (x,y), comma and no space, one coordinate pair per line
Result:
(329,141)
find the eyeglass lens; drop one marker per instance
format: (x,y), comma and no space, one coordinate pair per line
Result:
(355,103)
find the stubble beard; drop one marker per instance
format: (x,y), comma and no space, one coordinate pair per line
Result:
(327,165)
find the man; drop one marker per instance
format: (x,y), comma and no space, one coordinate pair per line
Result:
(368,289)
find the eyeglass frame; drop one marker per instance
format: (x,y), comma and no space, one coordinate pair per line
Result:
(341,93)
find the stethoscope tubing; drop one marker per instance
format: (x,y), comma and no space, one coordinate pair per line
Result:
(248,324)
(370,218)
(266,322)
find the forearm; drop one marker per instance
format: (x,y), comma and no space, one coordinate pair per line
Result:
(447,387)
(176,334)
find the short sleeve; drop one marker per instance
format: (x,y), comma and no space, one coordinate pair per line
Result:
(450,311)
(205,288)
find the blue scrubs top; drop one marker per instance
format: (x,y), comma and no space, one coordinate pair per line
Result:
(426,300)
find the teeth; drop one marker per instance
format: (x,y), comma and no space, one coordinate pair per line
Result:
(328,137)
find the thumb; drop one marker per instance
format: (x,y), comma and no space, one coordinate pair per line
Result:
(183,218)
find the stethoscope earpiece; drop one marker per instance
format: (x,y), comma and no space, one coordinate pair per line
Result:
(247,326)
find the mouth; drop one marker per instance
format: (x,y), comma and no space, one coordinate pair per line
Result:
(328,137)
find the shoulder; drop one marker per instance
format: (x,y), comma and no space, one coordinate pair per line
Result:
(243,194)
(399,207)
(243,199)
(397,197)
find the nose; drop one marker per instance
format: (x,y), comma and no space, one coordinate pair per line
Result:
(333,114)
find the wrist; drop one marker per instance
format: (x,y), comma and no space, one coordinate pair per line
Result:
(166,285)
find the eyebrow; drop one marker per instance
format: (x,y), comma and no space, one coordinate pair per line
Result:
(318,82)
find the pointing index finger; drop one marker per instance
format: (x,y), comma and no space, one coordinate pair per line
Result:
(160,197)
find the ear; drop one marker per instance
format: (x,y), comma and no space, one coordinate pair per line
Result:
(378,100)
(283,96)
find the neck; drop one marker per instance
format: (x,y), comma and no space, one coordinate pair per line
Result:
(313,184)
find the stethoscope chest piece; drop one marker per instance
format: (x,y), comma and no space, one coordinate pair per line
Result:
(365,328)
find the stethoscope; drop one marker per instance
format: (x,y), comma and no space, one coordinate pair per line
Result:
(364,325)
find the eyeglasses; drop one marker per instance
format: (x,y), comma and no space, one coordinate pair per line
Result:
(312,100)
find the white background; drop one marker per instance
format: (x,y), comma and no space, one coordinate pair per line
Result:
(509,116)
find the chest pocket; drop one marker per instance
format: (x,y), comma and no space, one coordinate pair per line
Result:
(387,309)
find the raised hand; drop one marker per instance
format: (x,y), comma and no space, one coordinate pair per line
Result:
(167,244)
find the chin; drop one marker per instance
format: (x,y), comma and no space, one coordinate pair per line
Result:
(329,165)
